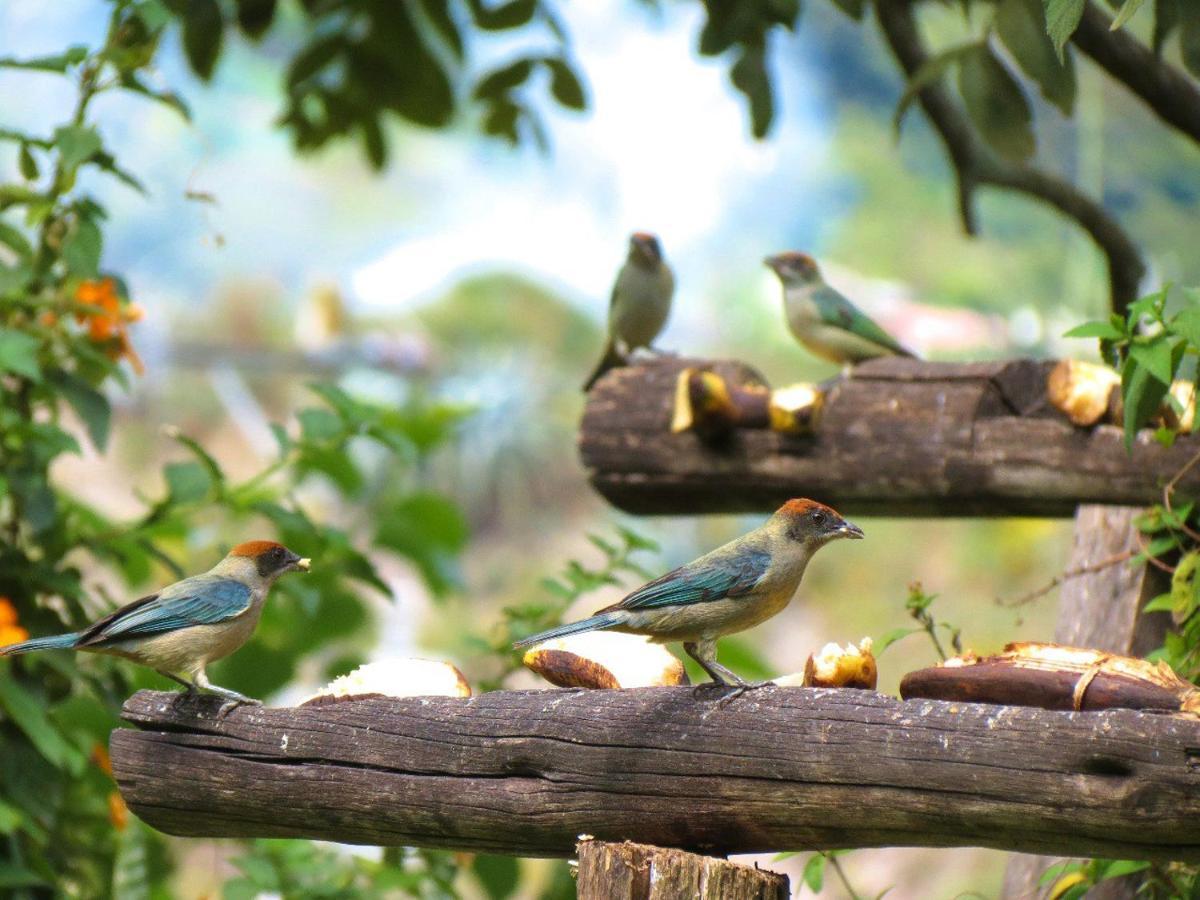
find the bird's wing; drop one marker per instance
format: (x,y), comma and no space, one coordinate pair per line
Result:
(701,581)
(197,601)
(836,310)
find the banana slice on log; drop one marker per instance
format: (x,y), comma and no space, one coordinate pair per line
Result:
(1054,676)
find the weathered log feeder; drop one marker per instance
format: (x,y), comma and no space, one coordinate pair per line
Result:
(526,772)
(894,437)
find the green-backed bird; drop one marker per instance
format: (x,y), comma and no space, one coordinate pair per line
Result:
(185,626)
(823,320)
(730,589)
(640,304)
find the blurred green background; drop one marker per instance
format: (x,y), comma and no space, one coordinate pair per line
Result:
(466,284)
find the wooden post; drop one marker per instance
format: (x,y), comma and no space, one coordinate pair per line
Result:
(1100,609)
(628,871)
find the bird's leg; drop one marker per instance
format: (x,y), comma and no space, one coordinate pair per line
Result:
(232,698)
(705,653)
(191,688)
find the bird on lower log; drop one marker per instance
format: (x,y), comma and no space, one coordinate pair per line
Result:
(640,304)
(823,320)
(730,589)
(185,626)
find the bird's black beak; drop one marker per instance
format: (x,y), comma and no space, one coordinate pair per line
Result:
(850,530)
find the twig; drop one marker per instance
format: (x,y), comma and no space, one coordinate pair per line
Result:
(1169,93)
(975,165)
(1089,569)
(841,874)
(1153,560)
(1169,489)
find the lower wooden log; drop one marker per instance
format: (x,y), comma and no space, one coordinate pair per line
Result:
(628,871)
(526,772)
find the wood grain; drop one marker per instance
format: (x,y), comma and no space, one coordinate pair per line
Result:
(525,773)
(628,871)
(899,437)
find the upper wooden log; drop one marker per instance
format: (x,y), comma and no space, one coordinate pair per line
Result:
(526,772)
(895,437)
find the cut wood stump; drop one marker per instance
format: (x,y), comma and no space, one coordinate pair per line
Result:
(897,437)
(525,773)
(628,871)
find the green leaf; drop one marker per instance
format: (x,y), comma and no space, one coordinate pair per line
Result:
(1189,36)
(1156,357)
(892,636)
(318,424)
(565,84)
(1128,8)
(1105,330)
(431,531)
(82,249)
(814,872)
(1161,603)
(1142,395)
(1062,18)
(500,82)
(203,29)
(498,875)
(58,62)
(1166,20)
(853,8)
(130,82)
(1187,325)
(89,404)
(507,15)
(76,144)
(15,240)
(446,26)
(929,73)
(187,482)
(27,164)
(996,104)
(254,17)
(1021,25)
(749,75)
(28,713)
(19,354)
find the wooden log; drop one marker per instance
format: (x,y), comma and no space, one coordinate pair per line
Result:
(898,437)
(628,871)
(1101,608)
(526,772)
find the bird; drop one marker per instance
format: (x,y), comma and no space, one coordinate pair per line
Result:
(823,320)
(640,304)
(180,629)
(730,589)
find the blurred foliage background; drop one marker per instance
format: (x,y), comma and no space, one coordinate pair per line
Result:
(332,271)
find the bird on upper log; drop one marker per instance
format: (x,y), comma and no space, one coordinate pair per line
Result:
(185,626)
(730,589)
(640,304)
(823,320)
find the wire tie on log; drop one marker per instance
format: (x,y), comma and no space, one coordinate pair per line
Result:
(1085,681)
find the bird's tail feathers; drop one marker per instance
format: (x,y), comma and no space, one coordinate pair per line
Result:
(610,360)
(54,642)
(597,622)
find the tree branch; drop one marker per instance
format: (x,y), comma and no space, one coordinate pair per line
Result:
(1169,93)
(976,165)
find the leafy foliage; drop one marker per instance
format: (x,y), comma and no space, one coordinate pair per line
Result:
(919,606)
(1148,346)
(64,342)
(363,61)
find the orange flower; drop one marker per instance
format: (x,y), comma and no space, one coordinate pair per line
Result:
(101,759)
(49,318)
(107,319)
(10,631)
(118,812)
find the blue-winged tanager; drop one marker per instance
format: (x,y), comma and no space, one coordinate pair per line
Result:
(733,588)
(185,626)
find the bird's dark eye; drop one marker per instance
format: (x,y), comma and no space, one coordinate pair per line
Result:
(818,517)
